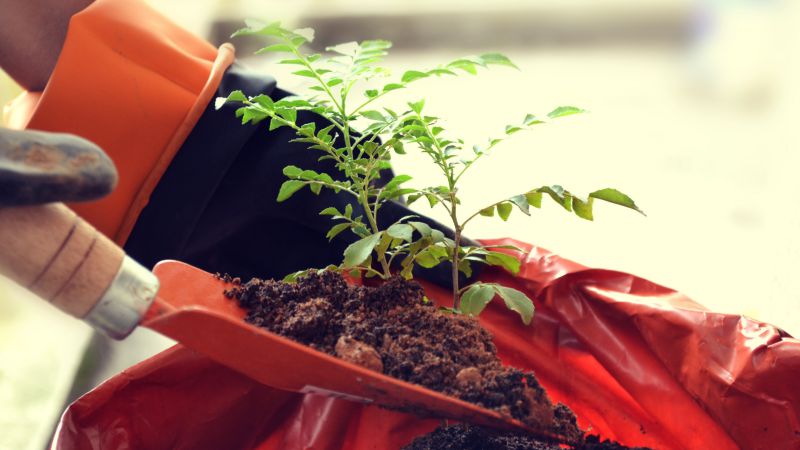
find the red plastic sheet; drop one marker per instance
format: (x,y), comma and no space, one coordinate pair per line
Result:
(637,362)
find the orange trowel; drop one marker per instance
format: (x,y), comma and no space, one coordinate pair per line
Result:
(54,253)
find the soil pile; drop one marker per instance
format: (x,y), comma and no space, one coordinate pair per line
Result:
(392,329)
(468,437)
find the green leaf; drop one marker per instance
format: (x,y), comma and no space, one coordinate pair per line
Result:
(252,115)
(497,59)
(292,277)
(280,48)
(475,299)
(417,106)
(346,48)
(360,229)
(432,200)
(464,64)
(503,260)
(288,188)
(330,211)
(396,193)
(291,102)
(253,27)
(336,229)
(399,148)
(465,267)
(397,181)
(392,87)
(505,246)
(401,231)
(308,174)
(357,252)
(290,115)
(324,134)
(376,44)
(422,228)
(308,129)
(298,62)
(439,71)
(521,202)
(371,93)
(431,256)
(516,301)
(563,111)
(583,209)
(292,171)
(368,147)
(618,198)
(412,75)
(559,195)
(235,96)
(437,236)
(276,123)
(373,115)
(305,73)
(534,199)
(488,212)
(530,119)
(504,210)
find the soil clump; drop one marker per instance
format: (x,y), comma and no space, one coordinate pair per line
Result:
(469,437)
(391,328)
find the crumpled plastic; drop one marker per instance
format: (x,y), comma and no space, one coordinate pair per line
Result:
(637,362)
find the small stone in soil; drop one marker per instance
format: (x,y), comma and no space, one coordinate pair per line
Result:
(469,377)
(358,353)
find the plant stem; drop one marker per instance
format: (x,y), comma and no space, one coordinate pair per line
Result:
(364,199)
(456,248)
(453,200)
(345,127)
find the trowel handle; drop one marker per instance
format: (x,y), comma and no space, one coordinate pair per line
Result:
(61,258)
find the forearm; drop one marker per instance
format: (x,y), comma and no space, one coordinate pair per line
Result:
(32,33)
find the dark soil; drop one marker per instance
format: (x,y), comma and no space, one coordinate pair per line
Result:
(392,329)
(468,437)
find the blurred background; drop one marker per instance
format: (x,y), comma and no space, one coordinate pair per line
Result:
(693,107)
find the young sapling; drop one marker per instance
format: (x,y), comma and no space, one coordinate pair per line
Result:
(342,91)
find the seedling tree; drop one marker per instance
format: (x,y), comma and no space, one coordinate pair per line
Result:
(343,92)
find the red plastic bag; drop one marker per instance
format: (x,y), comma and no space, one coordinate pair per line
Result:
(637,362)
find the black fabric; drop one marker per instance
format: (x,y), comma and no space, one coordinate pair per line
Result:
(164,227)
(215,206)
